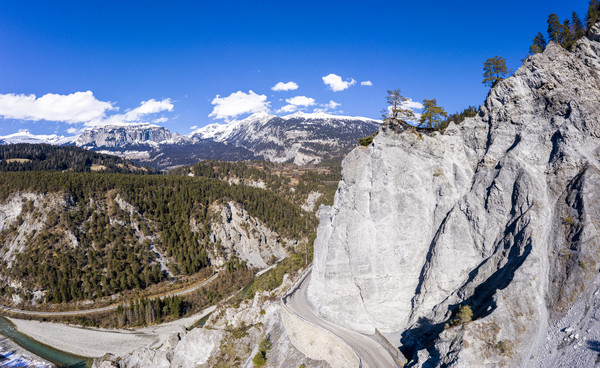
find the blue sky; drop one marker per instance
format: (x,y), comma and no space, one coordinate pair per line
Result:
(187,64)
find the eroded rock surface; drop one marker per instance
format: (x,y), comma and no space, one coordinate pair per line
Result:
(500,213)
(236,233)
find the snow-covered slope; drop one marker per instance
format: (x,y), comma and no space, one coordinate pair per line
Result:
(300,137)
(24,136)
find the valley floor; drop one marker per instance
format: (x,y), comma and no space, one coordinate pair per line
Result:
(94,342)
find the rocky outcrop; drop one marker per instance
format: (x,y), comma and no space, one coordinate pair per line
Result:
(127,135)
(499,214)
(235,233)
(230,338)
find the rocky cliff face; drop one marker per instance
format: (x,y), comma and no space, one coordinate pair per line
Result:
(126,136)
(236,233)
(500,214)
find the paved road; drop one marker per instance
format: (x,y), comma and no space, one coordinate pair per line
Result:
(103,309)
(370,352)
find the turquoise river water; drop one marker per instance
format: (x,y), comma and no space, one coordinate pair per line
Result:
(55,356)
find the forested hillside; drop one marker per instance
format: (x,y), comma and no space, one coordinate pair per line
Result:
(46,157)
(293,182)
(73,236)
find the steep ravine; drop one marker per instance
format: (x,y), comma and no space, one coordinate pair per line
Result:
(500,213)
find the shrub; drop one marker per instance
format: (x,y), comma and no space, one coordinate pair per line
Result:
(264,344)
(259,359)
(505,347)
(366,141)
(464,315)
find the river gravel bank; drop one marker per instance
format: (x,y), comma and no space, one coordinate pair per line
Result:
(95,342)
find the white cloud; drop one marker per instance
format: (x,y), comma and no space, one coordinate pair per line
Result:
(288,109)
(289,86)
(138,114)
(160,120)
(149,107)
(297,103)
(336,83)
(410,104)
(78,107)
(238,103)
(332,105)
(366,83)
(194,127)
(300,101)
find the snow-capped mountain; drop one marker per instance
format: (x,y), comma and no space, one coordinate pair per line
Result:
(300,137)
(120,137)
(25,136)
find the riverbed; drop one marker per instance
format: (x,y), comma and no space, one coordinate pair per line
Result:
(16,357)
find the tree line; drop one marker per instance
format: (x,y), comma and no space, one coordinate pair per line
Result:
(567,32)
(564,33)
(46,157)
(116,248)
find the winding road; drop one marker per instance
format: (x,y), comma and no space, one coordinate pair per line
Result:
(102,309)
(372,354)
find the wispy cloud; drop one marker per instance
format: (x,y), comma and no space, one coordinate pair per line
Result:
(78,107)
(336,83)
(366,83)
(289,86)
(238,103)
(160,120)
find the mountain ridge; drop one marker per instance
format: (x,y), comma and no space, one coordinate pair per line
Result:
(301,138)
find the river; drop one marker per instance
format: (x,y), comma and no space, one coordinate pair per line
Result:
(55,356)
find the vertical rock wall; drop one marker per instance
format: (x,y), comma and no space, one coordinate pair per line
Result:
(499,213)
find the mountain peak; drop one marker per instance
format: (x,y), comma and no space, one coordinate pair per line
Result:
(322,116)
(25,136)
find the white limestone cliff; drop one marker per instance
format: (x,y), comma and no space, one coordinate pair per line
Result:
(499,213)
(235,233)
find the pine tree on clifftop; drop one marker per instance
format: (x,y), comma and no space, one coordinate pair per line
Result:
(432,114)
(539,44)
(494,70)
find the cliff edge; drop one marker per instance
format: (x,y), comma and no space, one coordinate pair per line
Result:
(499,214)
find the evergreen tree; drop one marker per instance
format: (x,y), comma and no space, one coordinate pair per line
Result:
(432,114)
(577,26)
(593,14)
(567,36)
(539,44)
(554,28)
(397,110)
(494,70)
